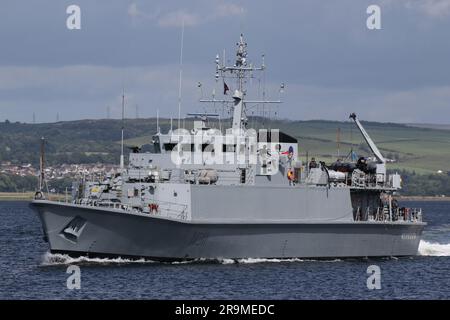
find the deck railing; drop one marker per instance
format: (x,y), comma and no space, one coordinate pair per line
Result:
(164,208)
(382,214)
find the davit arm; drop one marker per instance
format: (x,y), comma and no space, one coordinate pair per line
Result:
(369,141)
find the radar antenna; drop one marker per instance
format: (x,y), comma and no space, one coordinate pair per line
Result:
(240,71)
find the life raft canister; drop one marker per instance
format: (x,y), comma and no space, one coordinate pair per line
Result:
(290,174)
(38,195)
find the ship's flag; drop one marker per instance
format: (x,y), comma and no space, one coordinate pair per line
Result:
(291,151)
(225,88)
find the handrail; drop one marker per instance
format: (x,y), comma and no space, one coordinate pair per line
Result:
(166,208)
(382,214)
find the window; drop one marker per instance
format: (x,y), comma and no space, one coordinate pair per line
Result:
(229,148)
(169,146)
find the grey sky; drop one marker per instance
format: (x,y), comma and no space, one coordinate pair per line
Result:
(330,62)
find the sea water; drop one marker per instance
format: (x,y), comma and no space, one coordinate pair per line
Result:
(28,271)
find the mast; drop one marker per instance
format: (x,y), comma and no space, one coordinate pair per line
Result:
(181,75)
(39,195)
(41,165)
(338,141)
(241,62)
(238,110)
(157,122)
(123,117)
(241,70)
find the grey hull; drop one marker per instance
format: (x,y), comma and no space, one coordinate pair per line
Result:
(109,232)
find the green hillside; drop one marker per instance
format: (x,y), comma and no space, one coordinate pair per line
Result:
(418,152)
(423,150)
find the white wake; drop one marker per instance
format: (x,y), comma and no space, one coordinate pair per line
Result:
(51,259)
(427,248)
(54,259)
(252,260)
(257,260)
(274,260)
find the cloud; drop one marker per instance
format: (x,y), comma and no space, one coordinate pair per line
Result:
(335,103)
(136,13)
(229,9)
(133,10)
(84,91)
(432,8)
(204,15)
(326,47)
(435,8)
(177,18)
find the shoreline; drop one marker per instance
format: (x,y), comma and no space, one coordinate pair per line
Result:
(422,198)
(26,196)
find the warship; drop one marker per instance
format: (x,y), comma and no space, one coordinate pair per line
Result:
(233,193)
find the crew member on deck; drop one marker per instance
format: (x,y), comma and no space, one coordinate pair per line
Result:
(313,163)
